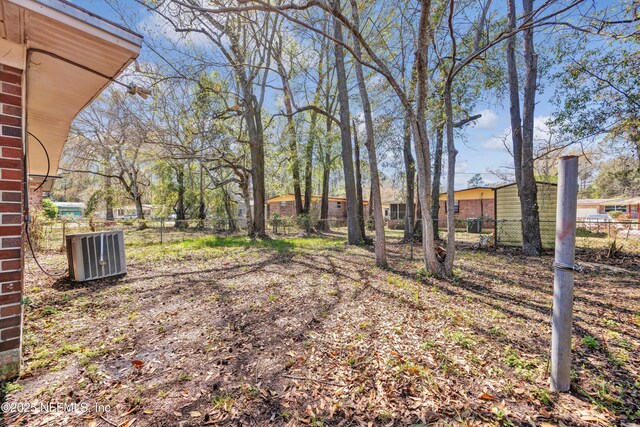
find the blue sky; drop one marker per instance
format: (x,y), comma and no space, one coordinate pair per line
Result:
(480,150)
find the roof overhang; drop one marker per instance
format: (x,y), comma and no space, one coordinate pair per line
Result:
(68,55)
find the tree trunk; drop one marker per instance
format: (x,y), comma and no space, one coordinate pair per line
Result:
(179,208)
(437,174)
(522,133)
(354,235)
(228,210)
(324,204)
(254,127)
(291,131)
(410,175)
(202,215)
(246,197)
(308,166)
(138,202)
(376,201)
(451,181)
(359,195)
(109,199)
(422,145)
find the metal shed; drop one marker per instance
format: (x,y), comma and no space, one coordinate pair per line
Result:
(508,215)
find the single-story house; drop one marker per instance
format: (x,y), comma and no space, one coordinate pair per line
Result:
(628,205)
(475,202)
(69,208)
(55,58)
(508,229)
(394,211)
(285,206)
(128,212)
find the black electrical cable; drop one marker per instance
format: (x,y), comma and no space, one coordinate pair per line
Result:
(46,153)
(33,254)
(26,229)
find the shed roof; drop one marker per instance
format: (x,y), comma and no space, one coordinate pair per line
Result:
(69,204)
(69,55)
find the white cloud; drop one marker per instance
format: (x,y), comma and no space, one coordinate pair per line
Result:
(497,142)
(488,120)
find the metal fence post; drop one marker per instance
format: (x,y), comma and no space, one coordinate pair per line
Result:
(564,268)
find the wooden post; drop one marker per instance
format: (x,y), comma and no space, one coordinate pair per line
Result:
(564,268)
(161,228)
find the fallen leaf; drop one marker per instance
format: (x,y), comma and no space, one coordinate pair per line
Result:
(486,396)
(137,363)
(148,411)
(195,414)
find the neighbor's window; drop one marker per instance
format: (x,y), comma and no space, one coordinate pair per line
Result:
(456,206)
(339,205)
(283,204)
(622,208)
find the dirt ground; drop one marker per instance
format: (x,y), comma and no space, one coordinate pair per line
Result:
(222,330)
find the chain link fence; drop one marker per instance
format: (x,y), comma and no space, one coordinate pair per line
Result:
(602,234)
(49,235)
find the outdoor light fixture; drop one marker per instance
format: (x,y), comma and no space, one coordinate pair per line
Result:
(137,90)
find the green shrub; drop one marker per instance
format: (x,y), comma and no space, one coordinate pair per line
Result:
(615,214)
(50,210)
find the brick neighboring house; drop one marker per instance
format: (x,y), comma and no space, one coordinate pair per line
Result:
(55,58)
(630,206)
(285,206)
(476,202)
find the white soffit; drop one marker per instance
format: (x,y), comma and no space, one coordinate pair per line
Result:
(58,35)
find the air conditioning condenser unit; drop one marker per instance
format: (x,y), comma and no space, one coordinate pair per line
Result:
(96,255)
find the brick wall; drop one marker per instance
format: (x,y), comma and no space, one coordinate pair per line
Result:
(11,220)
(289,209)
(469,209)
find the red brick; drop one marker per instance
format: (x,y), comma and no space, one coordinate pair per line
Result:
(15,153)
(11,310)
(12,70)
(9,321)
(10,141)
(11,131)
(10,207)
(12,242)
(11,196)
(12,89)
(475,208)
(10,77)
(12,174)
(10,120)
(10,185)
(10,164)
(14,264)
(11,333)
(9,345)
(10,99)
(12,219)
(9,298)
(9,288)
(10,230)
(10,253)
(11,110)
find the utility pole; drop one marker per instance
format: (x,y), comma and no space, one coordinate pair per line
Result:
(564,268)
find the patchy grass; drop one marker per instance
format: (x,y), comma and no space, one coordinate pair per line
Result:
(307,331)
